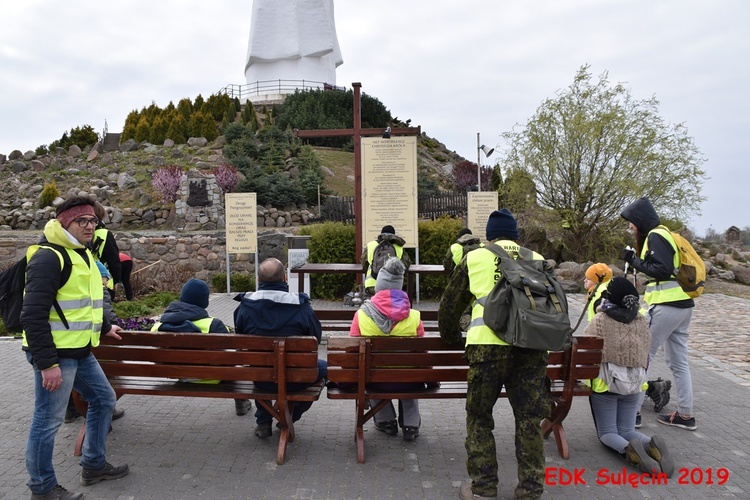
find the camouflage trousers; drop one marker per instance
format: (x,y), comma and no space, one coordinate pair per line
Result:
(522,372)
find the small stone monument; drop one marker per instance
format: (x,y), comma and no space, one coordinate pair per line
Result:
(199,202)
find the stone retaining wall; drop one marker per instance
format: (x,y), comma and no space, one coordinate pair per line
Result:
(202,253)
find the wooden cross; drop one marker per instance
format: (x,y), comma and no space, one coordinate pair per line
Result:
(357,132)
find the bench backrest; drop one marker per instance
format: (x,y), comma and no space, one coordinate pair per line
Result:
(428,359)
(385,359)
(209,356)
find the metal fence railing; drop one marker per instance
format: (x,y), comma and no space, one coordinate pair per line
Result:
(266,87)
(453,204)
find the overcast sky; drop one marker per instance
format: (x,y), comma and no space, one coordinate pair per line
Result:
(455,68)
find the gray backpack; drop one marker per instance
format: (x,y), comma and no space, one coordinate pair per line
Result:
(527,306)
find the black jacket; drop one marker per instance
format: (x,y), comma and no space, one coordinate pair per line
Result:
(178,317)
(658,263)
(42,283)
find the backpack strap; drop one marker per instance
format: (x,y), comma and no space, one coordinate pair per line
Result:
(67,269)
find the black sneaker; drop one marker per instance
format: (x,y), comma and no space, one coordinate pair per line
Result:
(57,493)
(71,414)
(636,454)
(410,433)
(657,449)
(658,391)
(638,420)
(109,471)
(390,427)
(677,420)
(263,430)
(242,406)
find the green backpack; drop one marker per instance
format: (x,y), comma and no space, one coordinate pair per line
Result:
(527,306)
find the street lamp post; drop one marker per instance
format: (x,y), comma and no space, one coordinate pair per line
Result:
(487,152)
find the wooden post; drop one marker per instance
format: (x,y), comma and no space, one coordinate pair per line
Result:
(357,132)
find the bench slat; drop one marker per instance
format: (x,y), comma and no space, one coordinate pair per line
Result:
(216,357)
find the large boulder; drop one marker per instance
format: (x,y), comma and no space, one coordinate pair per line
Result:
(741,274)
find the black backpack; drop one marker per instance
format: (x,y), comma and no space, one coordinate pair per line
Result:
(527,306)
(383,251)
(12,283)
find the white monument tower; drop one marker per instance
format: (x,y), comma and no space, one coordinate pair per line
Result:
(292,45)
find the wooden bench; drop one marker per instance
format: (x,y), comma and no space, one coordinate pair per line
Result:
(358,361)
(150,363)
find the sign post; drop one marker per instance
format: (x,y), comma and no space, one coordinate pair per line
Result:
(479,207)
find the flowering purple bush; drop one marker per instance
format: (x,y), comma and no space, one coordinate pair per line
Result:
(166,180)
(138,324)
(226,177)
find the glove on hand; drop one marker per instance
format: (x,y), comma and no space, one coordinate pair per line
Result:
(628,254)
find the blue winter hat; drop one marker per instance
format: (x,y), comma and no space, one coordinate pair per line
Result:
(103,270)
(195,292)
(501,223)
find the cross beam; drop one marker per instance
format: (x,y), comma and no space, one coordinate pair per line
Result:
(357,133)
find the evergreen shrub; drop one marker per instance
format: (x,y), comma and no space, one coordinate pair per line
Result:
(331,242)
(48,194)
(238,282)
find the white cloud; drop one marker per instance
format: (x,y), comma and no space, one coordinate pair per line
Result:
(455,68)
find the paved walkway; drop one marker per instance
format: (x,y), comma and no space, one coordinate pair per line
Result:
(198,448)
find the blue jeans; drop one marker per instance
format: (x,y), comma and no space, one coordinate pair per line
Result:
(614,417)
(669,328)
(85,376)
(261,414)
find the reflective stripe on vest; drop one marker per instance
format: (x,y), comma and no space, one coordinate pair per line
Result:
(662,292)
(404,328)
(481,265)
(81,301)
(369,280)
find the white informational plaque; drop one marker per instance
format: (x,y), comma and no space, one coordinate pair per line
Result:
(480,205)
(389,187)
(241,222)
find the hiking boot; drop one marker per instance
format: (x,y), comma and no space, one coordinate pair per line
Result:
(677,420)
(636,454)
(71,414)
(263,430)
(242,406)
(465,493)
(638,420)
(658,391)
(118,413)
(57,493)
(657,449)
(410,433)
(109,471)
(390,427)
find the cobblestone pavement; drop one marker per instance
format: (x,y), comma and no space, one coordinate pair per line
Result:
(198,448)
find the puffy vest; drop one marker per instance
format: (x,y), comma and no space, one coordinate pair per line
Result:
(483,274)
(597,294)
(404,328)
(81,300)
(100,238)
(663,292)
(369,280)
(203,325)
